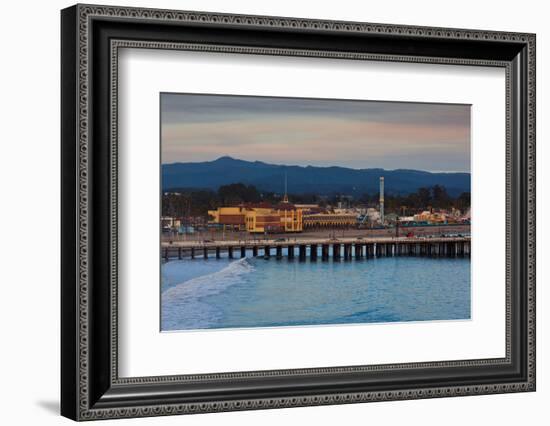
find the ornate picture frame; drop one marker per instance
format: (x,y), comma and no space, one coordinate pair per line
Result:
(91,37)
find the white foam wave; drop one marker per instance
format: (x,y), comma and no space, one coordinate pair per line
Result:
(209,284)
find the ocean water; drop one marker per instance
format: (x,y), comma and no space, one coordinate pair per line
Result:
(255,292)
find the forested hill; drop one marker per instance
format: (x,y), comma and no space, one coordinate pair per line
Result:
(306,180)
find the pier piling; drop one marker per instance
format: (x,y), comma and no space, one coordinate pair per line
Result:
(347,251)
(302,252)
(290,252)
(348,248)
(313,252)
(324,252)
(358,251)
(336,251)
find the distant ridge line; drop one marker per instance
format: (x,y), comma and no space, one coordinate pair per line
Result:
(320,180)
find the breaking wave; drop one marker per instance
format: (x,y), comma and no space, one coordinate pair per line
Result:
(182,306)
(213,283)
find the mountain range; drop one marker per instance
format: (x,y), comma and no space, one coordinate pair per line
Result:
(306,179)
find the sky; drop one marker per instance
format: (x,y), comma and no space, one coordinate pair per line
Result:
(317,132)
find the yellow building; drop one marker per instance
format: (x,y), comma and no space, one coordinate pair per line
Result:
(291,218)
(233,217)
(259,218)
(262,220)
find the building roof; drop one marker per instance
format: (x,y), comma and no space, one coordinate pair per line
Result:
(260,205)
(285,206)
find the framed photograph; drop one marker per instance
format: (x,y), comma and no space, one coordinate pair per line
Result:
(263,212)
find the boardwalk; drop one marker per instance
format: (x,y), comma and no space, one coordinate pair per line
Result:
(314,248)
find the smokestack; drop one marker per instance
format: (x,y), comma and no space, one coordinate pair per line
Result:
(382,199)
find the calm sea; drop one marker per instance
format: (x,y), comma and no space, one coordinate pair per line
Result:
(254,292)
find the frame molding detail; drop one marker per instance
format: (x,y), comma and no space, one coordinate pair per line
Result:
(91,37)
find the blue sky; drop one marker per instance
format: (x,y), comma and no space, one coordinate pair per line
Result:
(319,132)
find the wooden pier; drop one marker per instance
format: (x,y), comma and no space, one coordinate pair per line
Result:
(346,249)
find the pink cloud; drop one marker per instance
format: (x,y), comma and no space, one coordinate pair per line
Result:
(317,140)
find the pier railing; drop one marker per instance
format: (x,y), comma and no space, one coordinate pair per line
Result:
(345,248)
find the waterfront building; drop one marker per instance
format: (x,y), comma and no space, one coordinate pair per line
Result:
(260,217)
(231,217)
(329,220)
(291,217)
(307,208)
(261,220)
(439,217)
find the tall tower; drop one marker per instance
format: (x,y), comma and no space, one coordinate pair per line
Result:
(285,197)
(382,199)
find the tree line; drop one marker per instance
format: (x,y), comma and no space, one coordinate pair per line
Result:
(196,202)
(435,196)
